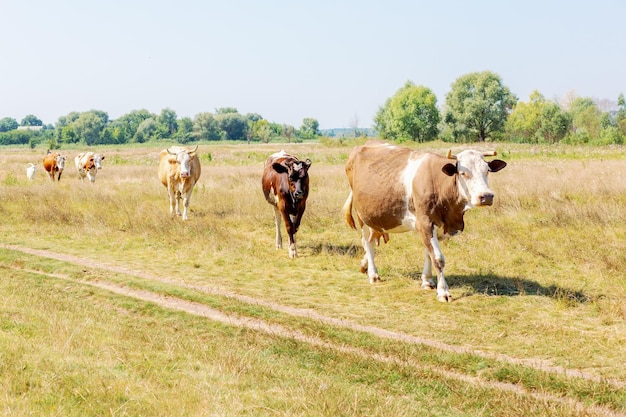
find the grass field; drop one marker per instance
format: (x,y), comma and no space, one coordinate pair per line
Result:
(110,307)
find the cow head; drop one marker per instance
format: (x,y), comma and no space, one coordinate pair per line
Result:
(183,159)
(298,175)
(472,171)
(60,161)
(97,160)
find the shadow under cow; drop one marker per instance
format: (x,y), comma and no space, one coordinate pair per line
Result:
(494,285)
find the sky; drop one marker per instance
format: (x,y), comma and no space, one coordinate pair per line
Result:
(336,61)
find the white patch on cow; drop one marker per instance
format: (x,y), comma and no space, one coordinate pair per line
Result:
(472,178)
(407,176)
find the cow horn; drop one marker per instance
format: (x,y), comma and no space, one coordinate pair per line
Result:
(490,153)
(450,156)
(168,151)
(195,149)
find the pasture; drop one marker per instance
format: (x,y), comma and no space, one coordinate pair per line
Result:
(110,307)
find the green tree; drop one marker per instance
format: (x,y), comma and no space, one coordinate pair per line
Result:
(586,118)
(206,127)
(169,122)
(477,106)
(31,120)
(621,113)
(310,128)
(233,125)
(146,130)
(89,126)
(129,123)
(555,124)
(184,133)
(8,123)
(261,130)
(226,110)
(538,121)
(525,119)
(411,113)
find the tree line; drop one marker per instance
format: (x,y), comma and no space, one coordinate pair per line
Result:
(95,128)
(480,107)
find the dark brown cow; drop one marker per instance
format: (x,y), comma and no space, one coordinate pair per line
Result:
(285,184)
(395,189)
(54,164)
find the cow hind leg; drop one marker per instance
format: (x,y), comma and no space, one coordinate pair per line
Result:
(367,263)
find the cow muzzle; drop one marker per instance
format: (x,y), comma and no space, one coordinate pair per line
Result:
(184,175)
(485,199)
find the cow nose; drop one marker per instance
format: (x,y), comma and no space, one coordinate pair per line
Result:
(486,199)
(184,174)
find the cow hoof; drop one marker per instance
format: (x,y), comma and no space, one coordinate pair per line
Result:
(445,298)
(428,285)
(374,278)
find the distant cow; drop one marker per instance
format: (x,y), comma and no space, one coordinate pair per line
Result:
(285,184)
(395,189)
(88,164)
(31,170)
(179,170)
(54,164)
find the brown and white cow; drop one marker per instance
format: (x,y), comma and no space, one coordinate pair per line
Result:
(54,163)
(285,185)
(88,164)
(395,189)
(179,170)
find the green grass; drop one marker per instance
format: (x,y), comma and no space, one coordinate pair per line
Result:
(537,277)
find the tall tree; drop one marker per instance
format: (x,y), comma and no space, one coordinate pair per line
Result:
(411,113)
(89,126)
(206,127)
(8,123)
(477,106)
(233,125)
(586,118)
(169,121)
(310,128)
(31,120)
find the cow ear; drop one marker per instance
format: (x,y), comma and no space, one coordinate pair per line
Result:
(280,168)
(449,169)
(496,165)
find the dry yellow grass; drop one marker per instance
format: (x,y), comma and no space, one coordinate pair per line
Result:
(538,276)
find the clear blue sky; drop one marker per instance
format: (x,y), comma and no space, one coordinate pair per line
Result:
(336,61)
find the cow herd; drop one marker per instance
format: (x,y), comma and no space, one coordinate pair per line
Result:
(392,190)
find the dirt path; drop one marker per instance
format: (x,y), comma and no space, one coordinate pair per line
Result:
(202,310)
(281,331)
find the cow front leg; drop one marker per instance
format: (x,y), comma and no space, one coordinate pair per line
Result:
(367,263)
(279,238)
(186,205)
(291,232)
(427,272)
(437,262)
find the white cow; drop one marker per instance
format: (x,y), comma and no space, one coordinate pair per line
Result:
(88,164)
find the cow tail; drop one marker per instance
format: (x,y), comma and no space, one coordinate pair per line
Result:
(347,211)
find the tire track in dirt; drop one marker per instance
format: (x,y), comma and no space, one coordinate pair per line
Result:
(202,310)
(538,364)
